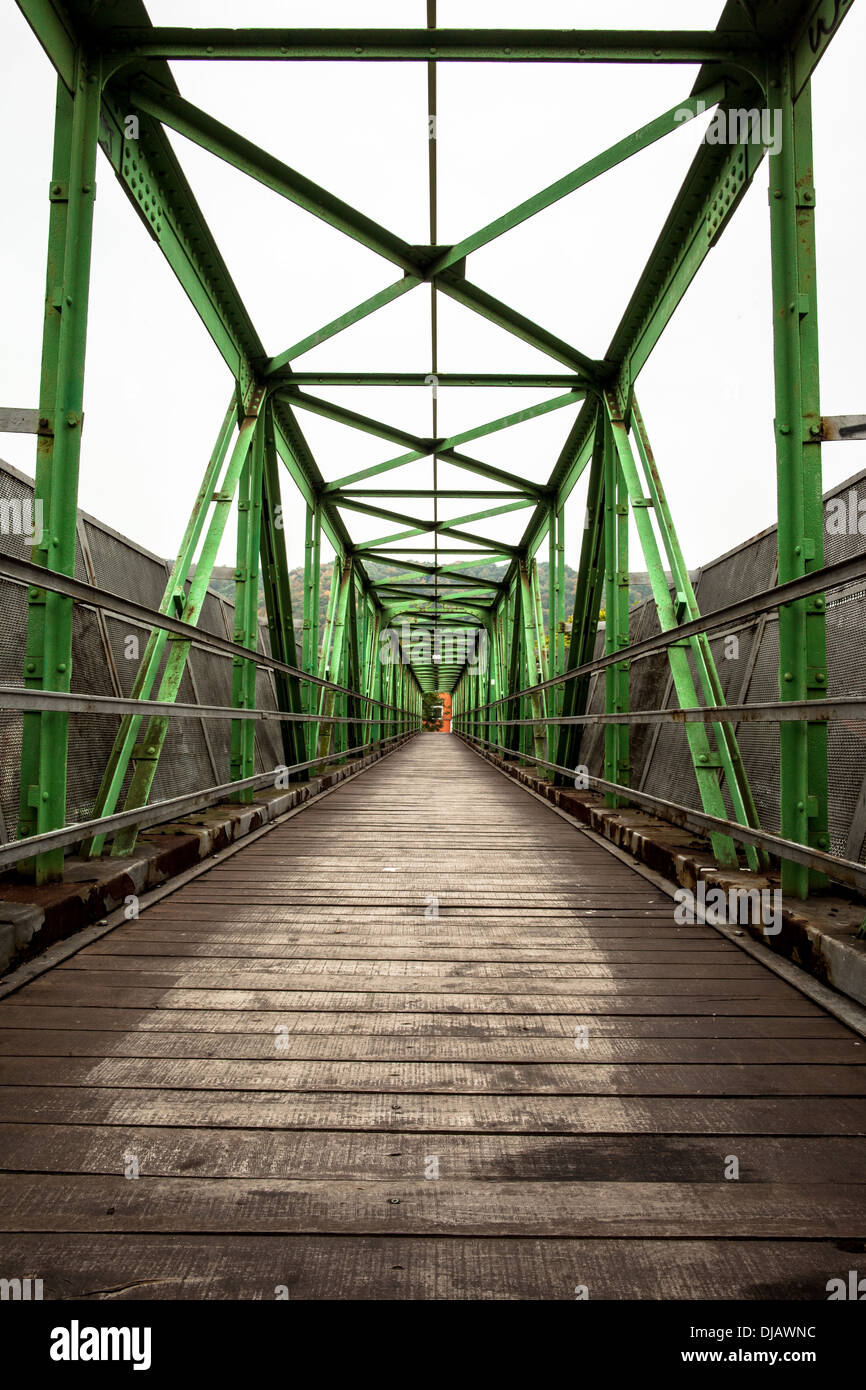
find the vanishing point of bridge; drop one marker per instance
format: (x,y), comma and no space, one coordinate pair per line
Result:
(336,1006)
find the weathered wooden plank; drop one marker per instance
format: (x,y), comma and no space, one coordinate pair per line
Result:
(253,1153)
(415,967)
(67,1203)
(436,1046)
(134,1267)
(244,983)
(720,1000)
(141,946)
(834,1115)
(34,1018)
(575,1078)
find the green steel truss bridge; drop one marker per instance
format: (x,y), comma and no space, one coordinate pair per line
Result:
(521,680)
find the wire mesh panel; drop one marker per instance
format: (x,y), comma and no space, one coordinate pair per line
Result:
(745,571)
(123,568)
(213,678)
(269,743)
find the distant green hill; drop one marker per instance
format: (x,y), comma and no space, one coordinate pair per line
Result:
(223,583)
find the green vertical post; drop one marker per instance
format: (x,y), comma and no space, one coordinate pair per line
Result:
(705,761)
(560,584)
(616,575)
(335,654)
(276,583)
(532,643)
(246,617)
(312,572)
(554,599)
(48,651)
(587,604)
(353,707)
(742,801)
(171,603)
(512,709)
(148,752)
(800,535)
(544,658)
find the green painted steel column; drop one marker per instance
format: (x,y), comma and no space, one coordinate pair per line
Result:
(310,638)
(554,599)
(335,655)
(616,736)
(742,801)
(147,753)
(532,639)
(48,651)
(246,617)
(802,625)
(277,586)
(543,659)
(171,603)
(705,761)
(587,605)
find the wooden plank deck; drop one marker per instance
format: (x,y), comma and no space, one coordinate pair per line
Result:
(345,1062)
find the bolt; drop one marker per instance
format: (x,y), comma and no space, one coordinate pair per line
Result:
(788,676)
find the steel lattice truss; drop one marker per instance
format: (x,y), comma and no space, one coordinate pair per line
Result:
(760,56)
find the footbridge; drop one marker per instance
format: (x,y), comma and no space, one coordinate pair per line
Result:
(309,996)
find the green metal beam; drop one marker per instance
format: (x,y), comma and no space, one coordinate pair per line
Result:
(653,46)
(585,173)
(536,381)
(48,649)
(803,671)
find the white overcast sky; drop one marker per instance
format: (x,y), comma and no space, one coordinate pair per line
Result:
(156,387)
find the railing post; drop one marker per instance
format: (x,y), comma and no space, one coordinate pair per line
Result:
(616,574)
(802,625)
(171,603)
(148,752)
(48,652)
(587,603)
(335,654)
(276,583)
(246,623)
